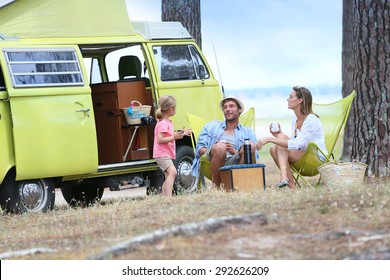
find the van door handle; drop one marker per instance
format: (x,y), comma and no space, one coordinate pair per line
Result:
(84,110)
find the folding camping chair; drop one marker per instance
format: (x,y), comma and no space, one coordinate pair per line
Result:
(333,117)
(248,118)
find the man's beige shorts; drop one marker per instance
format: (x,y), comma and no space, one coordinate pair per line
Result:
(164,163)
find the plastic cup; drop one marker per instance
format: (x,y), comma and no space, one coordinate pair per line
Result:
(275,127)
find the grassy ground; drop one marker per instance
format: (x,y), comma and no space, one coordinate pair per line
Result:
(343,222)
(325,223)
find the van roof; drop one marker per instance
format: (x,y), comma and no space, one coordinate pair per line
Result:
(161,30)
(74,21)
(65,19)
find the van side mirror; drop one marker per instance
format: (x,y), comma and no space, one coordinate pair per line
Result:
(202,72)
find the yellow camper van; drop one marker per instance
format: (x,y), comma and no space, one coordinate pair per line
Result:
(68,69)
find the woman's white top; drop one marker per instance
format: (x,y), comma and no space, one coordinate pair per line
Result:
(311,131)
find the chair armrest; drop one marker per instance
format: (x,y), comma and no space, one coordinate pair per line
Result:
(313,145)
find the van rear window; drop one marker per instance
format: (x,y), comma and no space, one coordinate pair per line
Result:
(44,67)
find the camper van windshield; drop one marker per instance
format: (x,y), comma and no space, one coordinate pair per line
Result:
(40,67)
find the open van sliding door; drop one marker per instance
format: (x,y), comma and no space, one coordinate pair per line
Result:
(53,122)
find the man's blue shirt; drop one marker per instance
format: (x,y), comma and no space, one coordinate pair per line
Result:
(212,132)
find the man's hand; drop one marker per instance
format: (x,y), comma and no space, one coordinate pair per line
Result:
(230,148)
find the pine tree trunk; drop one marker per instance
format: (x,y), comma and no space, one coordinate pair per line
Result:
(371,47)
(185,11)
(347,71)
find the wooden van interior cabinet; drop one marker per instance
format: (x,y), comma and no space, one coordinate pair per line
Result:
(112,131)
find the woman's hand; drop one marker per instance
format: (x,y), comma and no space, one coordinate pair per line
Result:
(275,129)
(261,143)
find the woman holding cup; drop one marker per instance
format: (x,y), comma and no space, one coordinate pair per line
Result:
(306,127)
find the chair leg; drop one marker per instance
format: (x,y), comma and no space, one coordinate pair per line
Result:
(297,177)
(318,182)
(306,182)
(200,182)
(203,183)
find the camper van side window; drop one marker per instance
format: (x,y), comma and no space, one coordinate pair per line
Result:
(44,67)
(198,62)
(177,62)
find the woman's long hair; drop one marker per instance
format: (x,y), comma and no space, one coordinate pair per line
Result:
(164,104)
(307,100)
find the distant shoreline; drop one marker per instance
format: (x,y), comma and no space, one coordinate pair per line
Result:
(270,103)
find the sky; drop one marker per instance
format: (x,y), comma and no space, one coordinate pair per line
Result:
(266,43)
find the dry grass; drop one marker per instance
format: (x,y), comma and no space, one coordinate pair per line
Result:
(324,223)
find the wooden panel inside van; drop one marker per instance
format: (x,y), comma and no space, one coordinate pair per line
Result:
(113,133)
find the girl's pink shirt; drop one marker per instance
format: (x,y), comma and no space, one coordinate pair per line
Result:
(164,150)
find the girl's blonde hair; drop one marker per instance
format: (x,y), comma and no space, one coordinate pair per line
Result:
(164,104)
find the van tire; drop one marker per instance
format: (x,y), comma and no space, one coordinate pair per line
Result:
(36,195)
(82,195)
(183,163)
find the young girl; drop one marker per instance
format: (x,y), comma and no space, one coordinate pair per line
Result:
(164,148)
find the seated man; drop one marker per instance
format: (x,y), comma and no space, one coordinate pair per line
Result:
(222,141)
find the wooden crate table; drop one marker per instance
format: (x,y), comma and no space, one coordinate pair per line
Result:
(243,177)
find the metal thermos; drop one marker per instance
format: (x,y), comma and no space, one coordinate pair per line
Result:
(247,152)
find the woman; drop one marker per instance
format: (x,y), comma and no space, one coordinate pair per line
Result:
(306,127)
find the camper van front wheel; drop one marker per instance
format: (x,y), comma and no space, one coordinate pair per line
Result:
(183,164)
(36,195)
